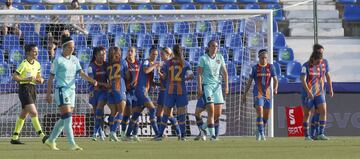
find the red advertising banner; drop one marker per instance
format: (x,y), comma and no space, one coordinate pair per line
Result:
(294,119)
(78,124)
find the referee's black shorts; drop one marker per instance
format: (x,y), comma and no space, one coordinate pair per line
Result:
(27,94)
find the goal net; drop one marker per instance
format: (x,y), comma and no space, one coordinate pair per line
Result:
(239,33)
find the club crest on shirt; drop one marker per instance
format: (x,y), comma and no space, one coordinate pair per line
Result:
(66,99)
(218,61)
(209,98)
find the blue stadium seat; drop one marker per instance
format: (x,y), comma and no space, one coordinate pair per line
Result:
(59,7)
(293,70)
(39,6)
(115,29)
(194,55)
(230,6)
(281,77)
(208,37)
(80,41)
(31,1)
(19,6)
(252,6)
(279,40)
(346,1)
(225,27)
(123,40)
(233,40)
(269,1)
(94,29)
(27,27)
(5,73)
(167,40)
(285,55)
(159,28)
(233,77)
(189,40)
(102,7)
(264,26)
(181,28)
(45,69)
(203,27)
(223,51)
(188,6)
(32,38)
(124,6)
(208,6)
(241,26)
(167,7)
(145,6)
(84,56)
(237,55)
(137,28)
(2,59)
(225,1)
(183,1)
(100,40)
(247,1)
(204,1)
(85,7)
(10,41)
(43,57)
(16,56)
(352,13)
(144,40)
(278,14)
(255,40)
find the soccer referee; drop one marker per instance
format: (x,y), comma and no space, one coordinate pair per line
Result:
(28,74)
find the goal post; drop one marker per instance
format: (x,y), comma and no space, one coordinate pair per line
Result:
(240,34)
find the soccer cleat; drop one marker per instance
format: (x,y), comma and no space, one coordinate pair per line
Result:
(182,139)
(322,137)
(308,138)
(113,137)
(93,138)
(157,138)
(44,139)
(51,145)
(200,137)
(136,138)
(214,138)
(16,142)
(76,148)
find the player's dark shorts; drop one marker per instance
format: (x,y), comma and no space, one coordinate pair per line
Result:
(262,101)
(115,97)
(97,96)
(161,98)
(310,103)
(172,100)
(27,94)
(142,98)
(201,103)
(131,99)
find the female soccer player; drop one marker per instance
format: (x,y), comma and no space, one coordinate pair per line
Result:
(64,69)
(117,95)
(145,81)
(131,83)
(176,71)
(98,94)
(313,75)
(262,73)
(166,54)
(209,85)
(28,74)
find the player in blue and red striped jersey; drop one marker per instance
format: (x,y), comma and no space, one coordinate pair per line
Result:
(131,83)
(176,71)
(98,94)
(313,75)
(262,73)
(314,130)
(116,96)
(145,81)
(166,54)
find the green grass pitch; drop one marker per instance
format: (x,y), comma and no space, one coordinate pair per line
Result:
(226,148)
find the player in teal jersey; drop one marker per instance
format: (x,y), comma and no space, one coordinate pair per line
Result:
(211,64)
(64,70)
